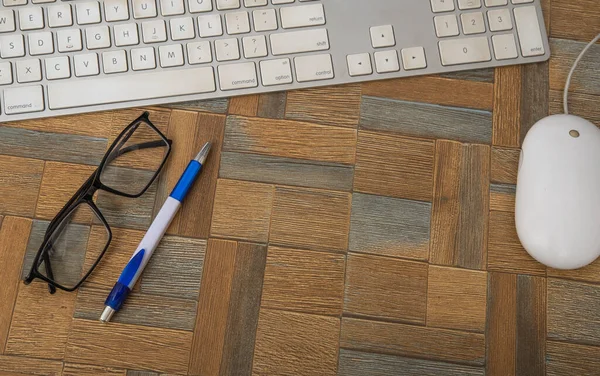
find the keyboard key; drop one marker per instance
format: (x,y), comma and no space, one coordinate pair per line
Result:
(275,2)
(446,26)
(5,73)
(69,40)
(469,4)
(31,18)
(144,8)
(7,20)
(237,76)
(182,28)
(196,6)
(359,65)
(227,4)
(199,52)
(227,49)
(255,3)
(472,23)
(114,61)
(29,70)
(504,46)
(382,36)
(237,23)
(171,7)
(265,20)
(10,3)
(58,68)
(499,19)
(522,1)
(303,15)
(126,35)
(255,46)
(97,37)
(528,28)
(143,59)
(413,58)
(116,10)
(123,88)
(299,41)
(464,51)
(495,3)
(442,5)
(86,65)
(60,15)
(171,56)
(387,61)
(12,46)
(23,99)
(276,72)
(88,12)
(154,31)
(40,43)
(210,25)
(313,68)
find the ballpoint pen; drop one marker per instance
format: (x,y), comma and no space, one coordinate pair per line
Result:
(159,226)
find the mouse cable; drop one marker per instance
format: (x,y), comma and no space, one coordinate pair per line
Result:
(568,83)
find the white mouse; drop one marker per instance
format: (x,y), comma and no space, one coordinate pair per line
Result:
(557,209)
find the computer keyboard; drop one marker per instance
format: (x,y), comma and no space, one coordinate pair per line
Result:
(66,57)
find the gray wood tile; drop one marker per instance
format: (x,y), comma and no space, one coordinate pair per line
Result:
(218,106)
(272,105)
(480,75)
(564,53)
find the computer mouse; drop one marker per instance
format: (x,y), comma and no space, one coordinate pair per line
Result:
(557,211)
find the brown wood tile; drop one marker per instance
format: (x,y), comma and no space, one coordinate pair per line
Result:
(13,243)
(413,341)
(20,179)
(571,359)
(507,106)
(97,124)
(292,139)
(272,105)
(242,210)
(586,13)
(30,366)
(590,273)
(74,369)
(296,343)
(310,219)
(582,105)
(386,288)
(246,105)
(434,89)
(502,197)
(535,91)
(394,166)
(335,105)
(128,346)
(122,118)
(505,165)
(531,325)
(501,333)
(459,220)
(456,299)
(304,281)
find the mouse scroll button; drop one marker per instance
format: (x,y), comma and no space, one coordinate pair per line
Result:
(574,133)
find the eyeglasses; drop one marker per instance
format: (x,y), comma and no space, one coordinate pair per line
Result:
(78,236)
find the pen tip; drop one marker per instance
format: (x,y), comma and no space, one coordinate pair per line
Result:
(203,154)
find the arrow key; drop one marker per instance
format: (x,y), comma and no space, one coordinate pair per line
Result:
(387,61)
(414,58)
(359,65)
(382,36)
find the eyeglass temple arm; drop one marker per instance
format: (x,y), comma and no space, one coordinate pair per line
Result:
(144,145)
(49,272)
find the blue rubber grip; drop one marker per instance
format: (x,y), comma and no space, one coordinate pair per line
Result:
(186,181)
(117,296)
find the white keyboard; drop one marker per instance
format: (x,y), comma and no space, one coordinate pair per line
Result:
(66,57)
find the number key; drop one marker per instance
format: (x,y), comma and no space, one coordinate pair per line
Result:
(472,23)
(446,26)
(442,5)
(469,4)
(499,19)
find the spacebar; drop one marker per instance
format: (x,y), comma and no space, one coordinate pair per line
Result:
(112,89)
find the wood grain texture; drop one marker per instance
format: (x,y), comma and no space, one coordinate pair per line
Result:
(477,75)
(413,341)
(573,312)
(246,105)
(286,171)
(13,243)
(505,252)
(459,224)
(296,343)
(218,106)
(531,325)
(571,359)
(590,273)
(435,89)
(272,105)
(97,124)
(505,165)
(390,226)
(74,369)
(290,139)
(244,307)
(310,219)
(128,346)
(456,299)
(507,106)
(390,165)
(501,332)
(30,366)
(425,120)
(19,185)
(335,105)
(564,54)
(213,308)
(304,281)
(586,13)
(386,288)
(122,118)
(581,104)
(502,197)
(51,324)
(356,363)
(535,92)
(242,210)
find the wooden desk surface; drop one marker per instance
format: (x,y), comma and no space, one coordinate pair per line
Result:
(356,230)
